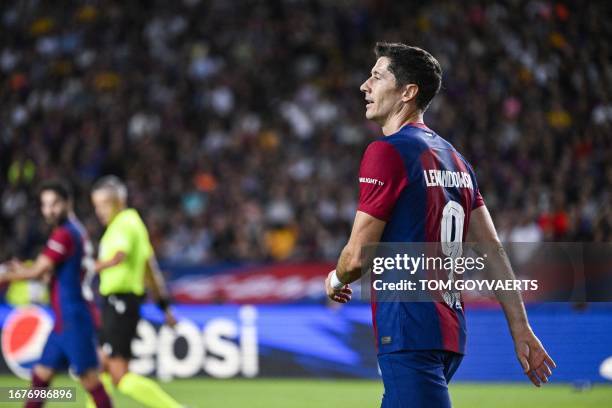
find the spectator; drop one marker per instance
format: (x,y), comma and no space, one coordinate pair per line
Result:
(235,130)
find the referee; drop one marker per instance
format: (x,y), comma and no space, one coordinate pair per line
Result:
(126,262)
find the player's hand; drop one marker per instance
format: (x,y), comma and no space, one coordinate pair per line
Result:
(536,363)
(170,318)
(342,295)
(14,265)
(9,267)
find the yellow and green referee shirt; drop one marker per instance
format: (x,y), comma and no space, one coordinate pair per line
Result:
(126,233)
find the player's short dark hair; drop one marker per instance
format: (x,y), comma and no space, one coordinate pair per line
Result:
(413,65)
(60,187)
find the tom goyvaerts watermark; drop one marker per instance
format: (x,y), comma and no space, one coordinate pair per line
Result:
(407,264)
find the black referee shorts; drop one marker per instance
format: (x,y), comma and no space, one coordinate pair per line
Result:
(120,316)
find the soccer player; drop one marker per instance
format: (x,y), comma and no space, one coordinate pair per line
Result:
(420,344)
(125,261)
(72,341)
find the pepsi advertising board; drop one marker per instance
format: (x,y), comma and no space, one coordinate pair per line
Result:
(317,341)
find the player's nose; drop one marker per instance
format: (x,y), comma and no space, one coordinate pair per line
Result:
(364,87)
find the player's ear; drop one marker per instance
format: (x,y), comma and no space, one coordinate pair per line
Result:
(410,92)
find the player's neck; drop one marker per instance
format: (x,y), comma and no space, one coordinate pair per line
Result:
(395,122)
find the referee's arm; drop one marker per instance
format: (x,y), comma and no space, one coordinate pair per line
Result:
(155,281)
(115,260)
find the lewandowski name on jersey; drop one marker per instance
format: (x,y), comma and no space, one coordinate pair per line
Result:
(447,179)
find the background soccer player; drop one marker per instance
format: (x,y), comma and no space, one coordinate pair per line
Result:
(420,345)
(72,341)
(125,261)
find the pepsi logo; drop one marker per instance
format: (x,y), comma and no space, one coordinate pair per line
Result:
(24,336)
(605,369)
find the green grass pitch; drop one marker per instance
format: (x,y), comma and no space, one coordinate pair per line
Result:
(292,393)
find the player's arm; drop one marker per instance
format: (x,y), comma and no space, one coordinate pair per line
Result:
(58,248)
(366,230)
(16,270)
(533,357)
(382,177)
(155,281)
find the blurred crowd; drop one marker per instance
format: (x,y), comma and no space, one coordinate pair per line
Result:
(239,126)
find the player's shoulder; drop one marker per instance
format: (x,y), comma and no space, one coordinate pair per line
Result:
(62,231)
(381,153)
(76,229)
(380,146)
(426,138)
(462,158)
(409,142)
(61,238)
(415,139)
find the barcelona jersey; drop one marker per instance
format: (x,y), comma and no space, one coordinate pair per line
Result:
(417,183)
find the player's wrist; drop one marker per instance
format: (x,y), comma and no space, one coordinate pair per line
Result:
(335,282)
(520,328)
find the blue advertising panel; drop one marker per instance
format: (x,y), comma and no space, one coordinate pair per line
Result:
(319,341)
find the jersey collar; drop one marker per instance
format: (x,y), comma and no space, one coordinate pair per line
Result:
(419,125)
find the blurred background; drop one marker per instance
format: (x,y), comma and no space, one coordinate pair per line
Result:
(239,128)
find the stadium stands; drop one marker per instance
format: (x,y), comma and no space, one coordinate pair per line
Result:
(240,133)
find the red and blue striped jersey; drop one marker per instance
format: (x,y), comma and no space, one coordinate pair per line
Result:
(69,247)
(412,179)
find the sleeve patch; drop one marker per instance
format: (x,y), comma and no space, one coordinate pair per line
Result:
(60,246)
(382,177)
(56,246)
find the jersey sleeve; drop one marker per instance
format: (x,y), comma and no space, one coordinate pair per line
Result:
(478,200)
(382,177)
(59,246)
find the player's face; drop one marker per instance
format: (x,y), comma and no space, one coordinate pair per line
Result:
(106,205)
(53,207)
(383,96)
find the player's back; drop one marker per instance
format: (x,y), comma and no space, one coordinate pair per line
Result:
(425,191)
(69,247)
(441,190)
